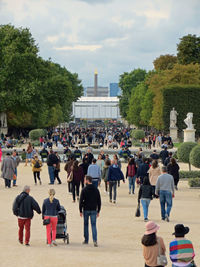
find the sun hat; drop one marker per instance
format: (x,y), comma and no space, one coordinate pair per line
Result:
(151,227)
(180,230)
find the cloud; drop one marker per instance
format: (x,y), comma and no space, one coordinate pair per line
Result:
(93,2)
(79,47)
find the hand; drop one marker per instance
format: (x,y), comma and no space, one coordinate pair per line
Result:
(173,195)
(107,183)
(54,165)
(81,214)
(124,181)
(97,215)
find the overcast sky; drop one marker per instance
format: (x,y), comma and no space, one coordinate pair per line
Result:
(112,36)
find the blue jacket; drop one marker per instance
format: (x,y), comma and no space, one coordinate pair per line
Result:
(50,209)
(115,174)
(142,170)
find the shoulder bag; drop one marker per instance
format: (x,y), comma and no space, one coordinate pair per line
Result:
(137,213)
(70,177)
(161,259)
(46,221)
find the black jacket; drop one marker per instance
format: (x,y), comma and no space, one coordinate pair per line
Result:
(90,199)
(145,191)
(173,170)
(163,155)
(24,205)
(52,159)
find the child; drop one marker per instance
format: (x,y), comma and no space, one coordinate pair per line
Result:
(36,168)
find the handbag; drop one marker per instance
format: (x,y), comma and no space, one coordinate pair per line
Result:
(161,259)
(46,221)
(137,213)
(70,177)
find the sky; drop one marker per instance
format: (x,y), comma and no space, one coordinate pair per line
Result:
(112,36)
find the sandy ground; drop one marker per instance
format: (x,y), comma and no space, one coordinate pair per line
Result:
(119,231)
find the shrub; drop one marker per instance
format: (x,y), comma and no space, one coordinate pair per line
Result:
(36,134)
(189,174)
(194,182)
(184,150)
(195,156)
(138,134)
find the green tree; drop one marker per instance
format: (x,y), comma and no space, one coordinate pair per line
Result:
(188,49)
(165,62)
(183,152)
(128,83)
(146,108)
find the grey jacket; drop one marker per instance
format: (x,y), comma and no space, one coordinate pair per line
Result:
(165,182)
(8,168)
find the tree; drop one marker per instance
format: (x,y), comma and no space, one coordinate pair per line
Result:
(183,152)
(138,134)
(165,62)
(188,49)
(128,83)
(195,156)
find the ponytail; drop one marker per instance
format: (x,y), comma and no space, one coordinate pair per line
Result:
(51,195)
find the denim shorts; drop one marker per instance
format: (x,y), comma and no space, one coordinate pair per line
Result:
(29,155)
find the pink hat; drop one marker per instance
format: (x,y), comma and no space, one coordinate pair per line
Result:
(151,227)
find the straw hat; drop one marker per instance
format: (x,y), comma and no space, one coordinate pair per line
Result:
(151,227)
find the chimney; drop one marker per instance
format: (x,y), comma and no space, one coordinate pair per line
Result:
(95,82)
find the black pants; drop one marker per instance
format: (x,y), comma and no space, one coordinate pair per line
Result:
(106,186)
(70,187)
(36,175)
(56,176)
(7,183)
(75,189)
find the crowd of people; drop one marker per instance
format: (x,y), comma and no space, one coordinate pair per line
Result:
(156,176)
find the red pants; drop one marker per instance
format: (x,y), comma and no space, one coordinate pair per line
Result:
(51,229)
(27,224)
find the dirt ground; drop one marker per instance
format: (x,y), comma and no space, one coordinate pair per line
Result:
(119,231)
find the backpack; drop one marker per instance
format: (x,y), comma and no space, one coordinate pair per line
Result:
(37,165)
(131,170)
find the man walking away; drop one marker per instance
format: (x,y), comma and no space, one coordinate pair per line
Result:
(23,208)
(165,190)
(52,161)
(163,155)
(90,206)
(8,170)
(95,172)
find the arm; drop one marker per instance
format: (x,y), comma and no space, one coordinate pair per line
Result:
(126,172)
(35,206)
(81,202)
(157,187)
(122,176)
(109,174)
(58,206)
(98,202)
(15,206)
(139,193)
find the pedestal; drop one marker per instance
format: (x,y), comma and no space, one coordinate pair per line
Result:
(4,130)
(189,135)
(174,134)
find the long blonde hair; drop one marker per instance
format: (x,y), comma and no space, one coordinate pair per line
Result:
(52,193)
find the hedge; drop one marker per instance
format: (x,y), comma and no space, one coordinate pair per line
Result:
(36,134)
(184,98)
(194,182)
(184,150)
(189,174)
(195,156)
(138,134)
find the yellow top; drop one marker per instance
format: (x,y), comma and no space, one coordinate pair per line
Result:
(96,72)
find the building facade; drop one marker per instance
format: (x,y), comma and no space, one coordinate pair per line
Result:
(114,90)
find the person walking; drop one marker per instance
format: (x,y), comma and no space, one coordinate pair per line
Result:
(165,190)
(145,194)
(95,172)
(29,151)
(173,169)
(16,159)
(36,168)
(52,161)
(90,206)
(67,168)
(57,169)
(131,172)
(78,176)
(84,165)
(164,154)
(24,207)
(44,154)
(114,175)
(8,167)
(100,162)
(154,172)
(181,249)
(152,244)
(142,171)
(104,175)
(50,209)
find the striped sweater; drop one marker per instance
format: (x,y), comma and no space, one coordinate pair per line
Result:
(181,252)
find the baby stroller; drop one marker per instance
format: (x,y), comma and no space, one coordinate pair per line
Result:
(62,226)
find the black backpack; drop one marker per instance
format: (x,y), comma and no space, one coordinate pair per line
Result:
(37,165)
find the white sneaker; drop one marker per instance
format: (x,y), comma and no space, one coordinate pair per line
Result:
(54,243)
(49,245)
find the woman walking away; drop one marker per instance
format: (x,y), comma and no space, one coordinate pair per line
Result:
(77,178)
(173,169)
(57,169)
(131,174)
(50,209)
(84,165)
(145,195)
(36,168)
(154,172)
(29,152)
(151,244)
(104,175)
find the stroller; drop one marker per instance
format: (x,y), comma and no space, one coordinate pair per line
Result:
(62,226)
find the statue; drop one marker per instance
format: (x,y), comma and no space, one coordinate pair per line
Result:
(3,120)
(188,121)
(173,118)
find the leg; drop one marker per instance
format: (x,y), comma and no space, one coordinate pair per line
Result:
(162,204)
(38,176)
(86,218)
(28,232)
(169,202)
(129,184)
(144,206)
(21,229)
(54,221)
(9,183)
(110,190)
(51,174)
(77,189)
(73,191)
(93,218)
(115,191)
(35,179)
(106,186)
(134,178)
(48,231)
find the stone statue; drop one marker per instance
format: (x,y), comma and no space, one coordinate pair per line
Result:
(3,120)
(188,121)
(173,118)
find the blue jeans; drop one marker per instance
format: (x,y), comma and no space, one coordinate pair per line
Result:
(190,265)
(145,206)
(15,181)
(113,186)
(165,199)
(95,183)
(131,184)
(93,217)
(51,174)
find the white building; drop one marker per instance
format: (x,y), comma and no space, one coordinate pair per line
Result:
(96,108)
